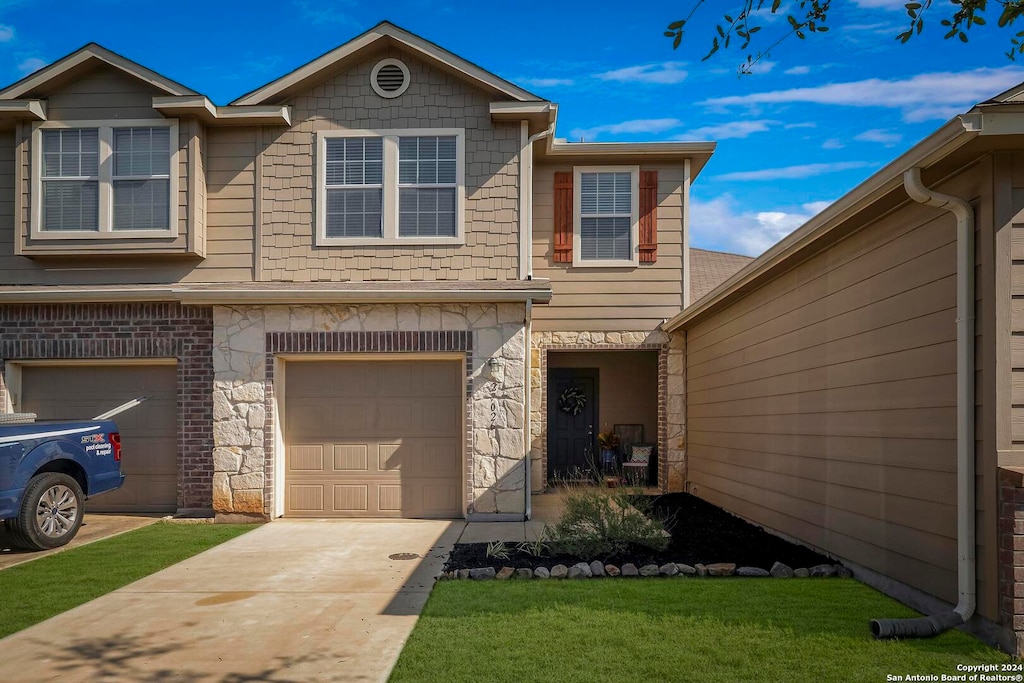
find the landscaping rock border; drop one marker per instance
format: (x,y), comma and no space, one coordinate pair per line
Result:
(595,569)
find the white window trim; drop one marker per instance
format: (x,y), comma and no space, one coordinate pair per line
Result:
(390,188)
(634,231)
(106,187)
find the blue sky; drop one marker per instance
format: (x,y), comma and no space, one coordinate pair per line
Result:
(818,117)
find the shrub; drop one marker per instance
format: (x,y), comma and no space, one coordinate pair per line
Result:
(600,522)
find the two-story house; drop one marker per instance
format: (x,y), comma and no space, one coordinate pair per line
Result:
(376,286)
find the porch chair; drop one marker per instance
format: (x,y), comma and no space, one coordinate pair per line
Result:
(638,460)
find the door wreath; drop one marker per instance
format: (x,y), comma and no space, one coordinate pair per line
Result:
(572,400)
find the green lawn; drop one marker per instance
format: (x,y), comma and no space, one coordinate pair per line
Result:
(38,590)
(761,630)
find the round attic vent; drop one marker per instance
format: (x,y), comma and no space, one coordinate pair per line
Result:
(389,78)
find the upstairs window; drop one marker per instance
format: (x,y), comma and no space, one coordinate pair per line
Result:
(607,216)
(427,186)
(104,180)
(390,187)
(355,186)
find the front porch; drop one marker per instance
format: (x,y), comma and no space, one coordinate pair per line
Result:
(587,383)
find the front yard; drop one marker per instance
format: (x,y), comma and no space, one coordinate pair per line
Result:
(38,590)
(670,630)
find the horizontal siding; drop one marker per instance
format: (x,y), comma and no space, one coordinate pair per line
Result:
(1017,303)
(601,299)
(230,205)
(822,403)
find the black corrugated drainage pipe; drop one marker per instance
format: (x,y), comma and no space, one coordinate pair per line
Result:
(923,627)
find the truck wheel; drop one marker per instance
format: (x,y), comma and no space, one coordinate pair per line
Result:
(50,514)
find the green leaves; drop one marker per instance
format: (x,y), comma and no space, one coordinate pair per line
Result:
(804,17)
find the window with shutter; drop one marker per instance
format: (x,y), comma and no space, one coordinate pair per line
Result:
(390,187)
(104,179)
(605,220)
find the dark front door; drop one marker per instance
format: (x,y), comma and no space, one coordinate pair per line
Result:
(572,422)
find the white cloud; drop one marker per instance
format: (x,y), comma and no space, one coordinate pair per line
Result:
(718,224)
(728,130)
(924,96)
(634,126)
(663,73)
(794,172)
(832,143)
(805,124)
(881,136)
(6,33)
(762,67)
(797,71)
(544,82)
(881,4)
(32,64)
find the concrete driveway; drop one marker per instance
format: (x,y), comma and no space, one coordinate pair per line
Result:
(290,601)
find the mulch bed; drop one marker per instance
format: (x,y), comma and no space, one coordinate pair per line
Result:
(701,533)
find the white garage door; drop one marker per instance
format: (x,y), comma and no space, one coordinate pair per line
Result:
(148,432)
(373,439)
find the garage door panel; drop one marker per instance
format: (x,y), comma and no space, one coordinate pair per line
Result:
(306,457)
(392,434)
(350,457)
(148,431)
(306,497)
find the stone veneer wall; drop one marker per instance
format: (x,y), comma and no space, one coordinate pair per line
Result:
(671,400)
(130,330)
(243,392)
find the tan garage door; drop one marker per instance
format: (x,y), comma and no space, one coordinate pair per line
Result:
(373,439)
(148,432)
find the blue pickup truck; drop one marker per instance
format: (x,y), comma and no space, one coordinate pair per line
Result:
(48,469)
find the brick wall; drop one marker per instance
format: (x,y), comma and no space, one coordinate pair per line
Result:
(1011,556)
(138,330)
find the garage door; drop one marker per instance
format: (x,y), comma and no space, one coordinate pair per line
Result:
(373,439)
(148,431)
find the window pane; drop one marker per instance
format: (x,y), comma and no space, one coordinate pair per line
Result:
(426,212)
(606,194)
(142,151)
(354,161)
(605,239)
(142,204)
(353,213)
(70,152)
(71,205)
(427,160)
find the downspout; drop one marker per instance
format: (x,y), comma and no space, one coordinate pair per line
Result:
(528,437)
(529,195)
(930,626)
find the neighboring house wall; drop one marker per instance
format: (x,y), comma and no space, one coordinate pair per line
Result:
(116,333)
(822,403)
(434,100)
(215,202)
(610,299)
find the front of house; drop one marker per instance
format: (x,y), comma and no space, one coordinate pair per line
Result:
(359,290)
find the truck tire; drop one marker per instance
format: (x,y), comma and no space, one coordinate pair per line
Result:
(51,512)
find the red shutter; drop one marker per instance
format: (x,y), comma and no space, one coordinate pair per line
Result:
(648,216)
(563,217)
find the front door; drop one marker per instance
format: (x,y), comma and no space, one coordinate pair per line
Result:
(572,422)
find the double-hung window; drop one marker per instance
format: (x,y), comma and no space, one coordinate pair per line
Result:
(606,218)
(112,179)
(390,187)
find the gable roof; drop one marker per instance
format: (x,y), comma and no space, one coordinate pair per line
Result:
(708,269)
(80,59)
(384,33)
